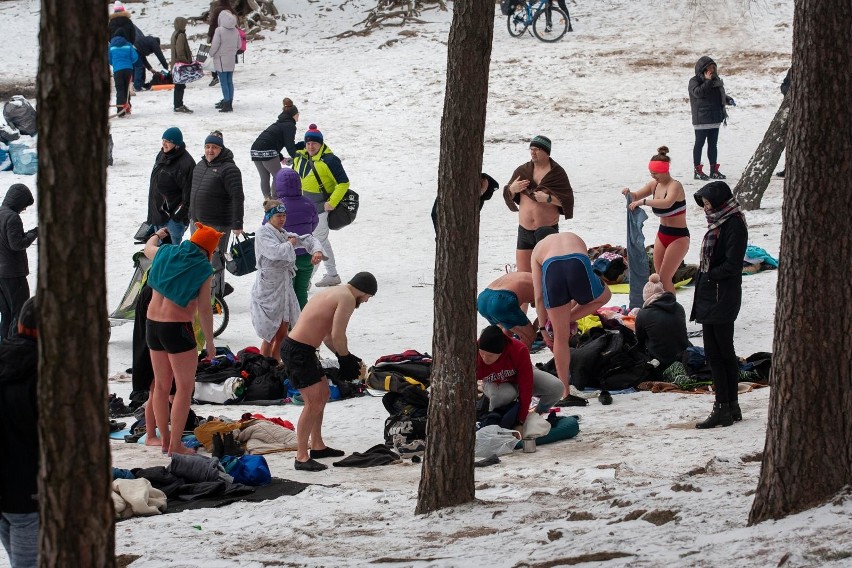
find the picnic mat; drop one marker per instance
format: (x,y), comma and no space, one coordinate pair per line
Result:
(625,288)
(277,488)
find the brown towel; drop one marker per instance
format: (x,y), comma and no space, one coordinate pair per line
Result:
(555,183)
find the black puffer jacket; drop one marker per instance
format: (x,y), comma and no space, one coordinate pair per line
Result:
(170,187)
(217,192)
(13,240)
(707,99)
(718,292)
(280,134)
(661,329)
(18,425)
(121,21)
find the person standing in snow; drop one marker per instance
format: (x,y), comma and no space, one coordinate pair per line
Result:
(707,100)
(274,307)
(122,57)
(216,8)
(223,51)
(181,53)
(14,266)
(718,295)
(302,219)
(266,150)
(170,187)
(324,182)
(146,45)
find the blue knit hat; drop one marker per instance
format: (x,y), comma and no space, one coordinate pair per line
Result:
(313,134)
(215,137)
(174,135)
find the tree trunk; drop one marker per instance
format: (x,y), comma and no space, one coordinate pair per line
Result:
(77,527)
(808,453)
(447,477)
(755,179)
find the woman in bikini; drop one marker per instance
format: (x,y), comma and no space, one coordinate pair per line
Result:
(668,202)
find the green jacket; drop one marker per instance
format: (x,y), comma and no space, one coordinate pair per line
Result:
(330,171)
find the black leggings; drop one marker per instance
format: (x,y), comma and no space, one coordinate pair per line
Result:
(722,358)
(712,137)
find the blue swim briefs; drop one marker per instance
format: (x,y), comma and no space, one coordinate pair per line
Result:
(500,307)
(569,277)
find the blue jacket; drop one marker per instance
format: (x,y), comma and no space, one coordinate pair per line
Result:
(122,54)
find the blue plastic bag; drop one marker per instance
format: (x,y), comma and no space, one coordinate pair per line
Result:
(248,469)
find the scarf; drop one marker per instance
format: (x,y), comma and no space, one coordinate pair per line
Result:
(715,219)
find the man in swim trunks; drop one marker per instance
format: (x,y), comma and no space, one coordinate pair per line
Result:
(504,301)
(566,289)
(180,277)
(323,320)
(540,192)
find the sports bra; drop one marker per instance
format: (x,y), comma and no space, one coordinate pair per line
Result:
(676,208)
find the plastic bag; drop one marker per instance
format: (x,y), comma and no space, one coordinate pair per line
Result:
(536,426)
(219,393)
(495,441)
(20,114)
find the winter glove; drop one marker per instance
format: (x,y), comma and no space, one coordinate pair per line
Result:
(730,101)
(350,367)
(32,234)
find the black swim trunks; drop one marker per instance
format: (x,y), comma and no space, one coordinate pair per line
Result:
(527,239)
(170,336)
(301,363)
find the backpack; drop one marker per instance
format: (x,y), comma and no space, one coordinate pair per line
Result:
(409,410)
(507,6)
(264,381)
(608,359)
(243,42)
(391,381)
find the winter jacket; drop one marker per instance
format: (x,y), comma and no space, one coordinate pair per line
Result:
(170,187)
(13,240)
(213,18)
(661,329)
(18,425)
(121,21)
(217,192)
(281,134)
(226,43)
(302,216)
(718,292)
(181,52)
(707,99)
(122,54)
(149,45)
(330,171)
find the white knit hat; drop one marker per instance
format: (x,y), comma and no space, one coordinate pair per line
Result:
(652,290)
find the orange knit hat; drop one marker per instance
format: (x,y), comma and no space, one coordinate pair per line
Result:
(206,237)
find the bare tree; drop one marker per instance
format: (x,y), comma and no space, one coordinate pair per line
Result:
(447,477)
(77,526)
(758,173)
(808,453)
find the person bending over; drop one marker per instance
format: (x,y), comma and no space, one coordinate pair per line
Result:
(504,302)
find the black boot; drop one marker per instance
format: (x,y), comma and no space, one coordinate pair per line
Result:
(227,106)
(721,416)
(699,173)
(220,103)
(232,447)
(218,446)
(715,173)
(736,413)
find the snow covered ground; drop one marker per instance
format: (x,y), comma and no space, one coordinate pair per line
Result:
(639,486)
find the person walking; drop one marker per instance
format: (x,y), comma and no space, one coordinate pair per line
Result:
(181,53)
(324,182)
(14,265)
(667,199)
(216,199)
(707,100)
(718,295)
(302,219)
(223,50)
(170,187)
(266,150)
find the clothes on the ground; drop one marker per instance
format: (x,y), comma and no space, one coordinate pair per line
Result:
(661,329)
(555,183)
(378,455)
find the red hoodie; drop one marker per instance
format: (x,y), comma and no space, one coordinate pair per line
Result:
(513,366)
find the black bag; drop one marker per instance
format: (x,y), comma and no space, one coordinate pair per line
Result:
(242,260)
(346,210)
(409,410)
(507,6)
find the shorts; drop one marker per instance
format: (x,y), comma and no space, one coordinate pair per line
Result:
(569,277)
(501,307)
(301,363)
(668,235)
(527,239)
(170,336)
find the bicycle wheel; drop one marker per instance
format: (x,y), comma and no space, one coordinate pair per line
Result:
(220,315)
(552,28)
(517,21)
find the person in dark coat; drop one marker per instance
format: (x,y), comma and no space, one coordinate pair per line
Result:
(718,295)
(266,150)
(14,266)
(661,324)
(120,20)
(181,53)
(146,45)
(19,520)
(707,100)
(217,199)
(302,219)
(486,189)
(170,187)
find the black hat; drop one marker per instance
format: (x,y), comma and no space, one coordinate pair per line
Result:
(27,322)
(492,339)
(365,282)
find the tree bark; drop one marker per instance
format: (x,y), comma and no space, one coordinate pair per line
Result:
(808,454)
(447,477)
(77,527)
(758,173)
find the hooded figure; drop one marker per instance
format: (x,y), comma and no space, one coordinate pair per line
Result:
(707,100)
(14,266)
(661,329)
(226,43)
(302,219)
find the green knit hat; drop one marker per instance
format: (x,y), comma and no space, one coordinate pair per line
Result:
(542,142)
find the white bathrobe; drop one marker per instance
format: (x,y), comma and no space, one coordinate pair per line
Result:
(273,299)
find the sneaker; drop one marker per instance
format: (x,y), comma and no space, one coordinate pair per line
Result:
(183,108)
(328,280)
(410,449)
(214,82)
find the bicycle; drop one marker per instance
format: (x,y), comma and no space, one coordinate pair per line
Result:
(549,24)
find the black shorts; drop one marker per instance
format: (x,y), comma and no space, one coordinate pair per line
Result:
(527,239)
(301,363)
(170,336)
